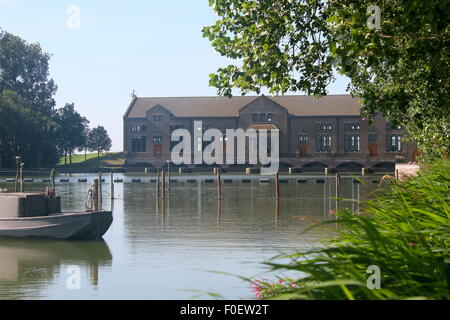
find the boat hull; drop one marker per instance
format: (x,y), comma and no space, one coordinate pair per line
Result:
(66,226)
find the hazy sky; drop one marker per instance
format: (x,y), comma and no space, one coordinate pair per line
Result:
(153,47)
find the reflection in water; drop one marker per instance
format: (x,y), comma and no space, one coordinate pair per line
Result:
(277,211)
(163,247)
(27,266)
(218,214)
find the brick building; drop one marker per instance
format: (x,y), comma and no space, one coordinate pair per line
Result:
(325,132)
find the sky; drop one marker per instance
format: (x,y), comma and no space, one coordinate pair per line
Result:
(103,50)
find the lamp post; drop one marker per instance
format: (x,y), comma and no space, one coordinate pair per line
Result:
(21,176)
(18,161)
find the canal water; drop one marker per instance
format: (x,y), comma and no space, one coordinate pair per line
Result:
(184,247)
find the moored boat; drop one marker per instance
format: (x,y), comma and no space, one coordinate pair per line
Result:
(37,215)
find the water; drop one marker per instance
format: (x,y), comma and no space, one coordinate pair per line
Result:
(172,249)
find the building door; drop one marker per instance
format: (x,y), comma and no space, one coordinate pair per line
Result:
(302,144)
(302,150)
(157,150)
(373,149)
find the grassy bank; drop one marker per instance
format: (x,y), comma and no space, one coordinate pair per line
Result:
(404,232)
(108,159)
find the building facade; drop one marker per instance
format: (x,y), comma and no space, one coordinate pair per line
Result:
(325,132)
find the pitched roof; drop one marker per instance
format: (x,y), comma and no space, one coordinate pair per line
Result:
(229,107)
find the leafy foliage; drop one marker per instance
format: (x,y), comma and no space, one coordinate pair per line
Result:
(405,231)
(400,70)
(29,124)
(25,131)
(98,140)
(26,103)
(72,130)
(24,70)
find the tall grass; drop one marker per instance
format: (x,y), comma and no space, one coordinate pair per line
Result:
(404,230)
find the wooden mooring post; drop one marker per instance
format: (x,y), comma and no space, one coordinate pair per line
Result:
(337,189)
(100,195)
(95,195)
(112,185)
(163,184)
(52,179)
(219,185)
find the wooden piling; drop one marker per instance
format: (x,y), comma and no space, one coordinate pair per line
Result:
(277,186)
(100,191)
(52,179)
(95,195)
(163,184)
(337,189)
(112,185)
(219,185)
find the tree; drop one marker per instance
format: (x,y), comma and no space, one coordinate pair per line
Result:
(84,146)
(29,124)
(25,131)
(400,69)
(26,103)
(71,132)
(24,70)
(98,140)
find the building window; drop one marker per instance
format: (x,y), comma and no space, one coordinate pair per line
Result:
(373,137)
(394,142)
(323,126)
(157,139)
(157,117)
(138,127)
(262,117)
(138,144)
(352,126)
(323,143)
(303,138)
(351,143)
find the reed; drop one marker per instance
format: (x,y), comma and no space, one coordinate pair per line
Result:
(404,230)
